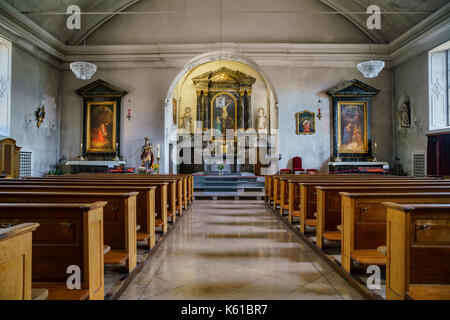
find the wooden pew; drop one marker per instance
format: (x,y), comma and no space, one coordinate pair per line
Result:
(329,202)
(161,207)
(69,234)
(180,182)
(145,201)
(119,218)
(15,261)
(308,194)
(364,223)
(185,194)
(418,251)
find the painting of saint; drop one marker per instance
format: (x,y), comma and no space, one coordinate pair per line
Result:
(306,122)
(352,127)
(223,113)
(101,127)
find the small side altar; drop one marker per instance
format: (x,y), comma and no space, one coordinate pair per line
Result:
(358,167)
(92,166)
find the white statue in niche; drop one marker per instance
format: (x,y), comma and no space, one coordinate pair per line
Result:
(262,120)
(187,119)
(405,115)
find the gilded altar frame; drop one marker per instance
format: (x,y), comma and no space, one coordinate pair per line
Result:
(365,148)
(88,126)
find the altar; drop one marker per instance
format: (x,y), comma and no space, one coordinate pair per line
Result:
(92,166)
(358,167)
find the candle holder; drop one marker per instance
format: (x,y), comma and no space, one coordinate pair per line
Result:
(117,159)
(338,158)
(81,153)
(375,152)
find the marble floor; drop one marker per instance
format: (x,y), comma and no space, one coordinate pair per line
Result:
(235,250)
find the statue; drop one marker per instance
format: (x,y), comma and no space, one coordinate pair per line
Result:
(262,120)
(147,154)
(405,115)
(187,119)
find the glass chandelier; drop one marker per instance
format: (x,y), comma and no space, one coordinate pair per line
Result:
(371,69)
(83,70)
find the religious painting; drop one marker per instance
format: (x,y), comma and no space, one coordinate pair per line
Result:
(306,122)
(101,127)
(223,113)
(352,127)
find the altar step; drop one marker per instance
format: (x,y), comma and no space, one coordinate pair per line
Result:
(228,187)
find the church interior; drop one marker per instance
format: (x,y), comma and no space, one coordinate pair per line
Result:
(224,150)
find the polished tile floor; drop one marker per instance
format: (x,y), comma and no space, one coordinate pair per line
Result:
(235,250)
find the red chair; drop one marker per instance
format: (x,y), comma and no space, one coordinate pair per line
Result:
(297,165)
(312,171)
(285,171)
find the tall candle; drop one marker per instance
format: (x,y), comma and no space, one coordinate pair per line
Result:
(158,151)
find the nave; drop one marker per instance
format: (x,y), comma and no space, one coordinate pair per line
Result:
(235,250)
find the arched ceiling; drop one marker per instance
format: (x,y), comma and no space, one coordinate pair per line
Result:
(394,24)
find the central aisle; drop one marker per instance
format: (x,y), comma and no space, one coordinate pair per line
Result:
(235,250)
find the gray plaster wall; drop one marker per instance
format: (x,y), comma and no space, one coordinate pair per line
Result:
(147,88)
(35,83)
(411,80)
(297,89)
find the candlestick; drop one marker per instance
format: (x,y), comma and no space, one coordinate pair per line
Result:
(158,151)
(81,152)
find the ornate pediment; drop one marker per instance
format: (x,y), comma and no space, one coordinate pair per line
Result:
(353,88)
(224,75)
(101,88)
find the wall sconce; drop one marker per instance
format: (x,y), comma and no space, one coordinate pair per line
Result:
(40,115)
(319,105)
(129,110)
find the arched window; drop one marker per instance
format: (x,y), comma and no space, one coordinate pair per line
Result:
(439,88)
(5,87)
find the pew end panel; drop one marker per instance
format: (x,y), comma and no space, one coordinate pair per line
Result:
(418,251)
(15,261)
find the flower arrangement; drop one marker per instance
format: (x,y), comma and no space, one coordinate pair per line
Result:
(220,167)
(155,168)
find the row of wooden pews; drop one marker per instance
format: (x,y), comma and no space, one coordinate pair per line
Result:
(87,221)
(398,223)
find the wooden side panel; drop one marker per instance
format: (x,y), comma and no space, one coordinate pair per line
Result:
(130,233)
(320,214)
(396,260)
(93,254)
(15,268)
(348,205)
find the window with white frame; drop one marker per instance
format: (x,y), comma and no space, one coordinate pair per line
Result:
(5,87)
(439,87)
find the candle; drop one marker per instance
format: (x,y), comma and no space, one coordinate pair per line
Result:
(158,151)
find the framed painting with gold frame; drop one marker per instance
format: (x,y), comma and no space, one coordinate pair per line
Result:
(352,130)
(223,114)
(305,122)
(101,127)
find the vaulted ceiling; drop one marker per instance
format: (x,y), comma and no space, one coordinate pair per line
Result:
(399,17)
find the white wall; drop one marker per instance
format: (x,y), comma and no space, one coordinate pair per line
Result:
(411,80)
(299,88)
(147,89)
(35,83)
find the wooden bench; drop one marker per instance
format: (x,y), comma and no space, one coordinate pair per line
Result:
(418,251)
(307,199)
(185,183)
(69,234)
(364,223)
(15,261)
(329,202)
(161,206)
(145,201)
(119,218)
